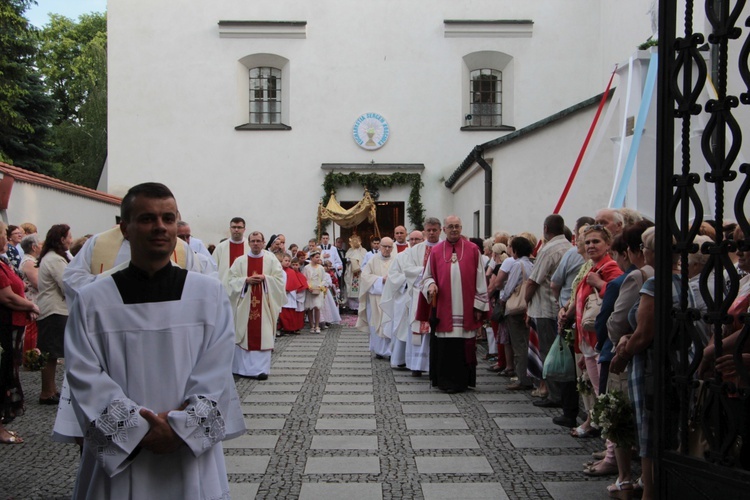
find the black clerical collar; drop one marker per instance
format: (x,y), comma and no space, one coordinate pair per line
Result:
(137,287)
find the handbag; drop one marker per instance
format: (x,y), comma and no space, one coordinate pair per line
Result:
(559,366)
(591,311)
(516,303)
(498,312)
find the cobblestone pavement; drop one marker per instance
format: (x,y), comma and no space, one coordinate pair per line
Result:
(333,422)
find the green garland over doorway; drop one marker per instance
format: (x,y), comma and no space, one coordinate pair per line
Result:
(373,182)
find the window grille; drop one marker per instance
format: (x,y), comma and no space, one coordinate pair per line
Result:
(486,98)
(265,96)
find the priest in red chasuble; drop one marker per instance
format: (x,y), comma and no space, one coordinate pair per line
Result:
(455,276)
(230,249)
(256,285)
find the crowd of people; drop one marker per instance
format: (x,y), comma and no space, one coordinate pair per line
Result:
(425,298)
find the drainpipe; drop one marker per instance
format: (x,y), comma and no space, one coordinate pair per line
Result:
(487,191)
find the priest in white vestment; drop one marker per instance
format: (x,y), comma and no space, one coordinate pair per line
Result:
(397,298)
(257,291)
(183,232)
(230,249)
(370,319)
(147,356)
(355,257)
(418,344)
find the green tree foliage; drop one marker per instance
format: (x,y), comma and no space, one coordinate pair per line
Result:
(25,108)
(72,58)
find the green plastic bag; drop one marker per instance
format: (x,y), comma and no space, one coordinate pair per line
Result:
(559,365)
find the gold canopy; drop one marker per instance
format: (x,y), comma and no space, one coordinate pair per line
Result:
(363,210)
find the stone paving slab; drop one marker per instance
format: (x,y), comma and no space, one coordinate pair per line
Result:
(512,408)
(243,490)
(543,441)
(366,424)
(342,465)
(525,423)
(289,371)
(247,464)
(344,443)
(463,442)
(343,409)
(556,463)
(415,387)
(252,441)
(349,364)
(286,379)
(270,387)
(499,397)
(576,490)
(264,423)
(266,409)
(436,423)
(348,398)
(348,388)
(350,378)
(415,397)
(293,364)
(453,465)
(430,409)
(270,398)
(360,370)
(464,491)
(340,491)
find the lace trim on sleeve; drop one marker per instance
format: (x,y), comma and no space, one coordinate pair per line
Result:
(112,426)
(204,414)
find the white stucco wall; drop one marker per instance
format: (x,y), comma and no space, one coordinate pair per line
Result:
(45,207)
(527,181)
(175,88)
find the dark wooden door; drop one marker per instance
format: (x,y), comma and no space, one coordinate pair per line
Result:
(389,214)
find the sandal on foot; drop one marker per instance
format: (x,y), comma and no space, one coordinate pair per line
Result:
(599,455)
(602,468)
(581,432)
(620,489)
(12,438)
(536,393)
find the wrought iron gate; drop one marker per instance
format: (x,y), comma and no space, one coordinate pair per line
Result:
(682,469)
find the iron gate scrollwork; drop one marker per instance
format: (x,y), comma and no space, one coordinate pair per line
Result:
(702,434)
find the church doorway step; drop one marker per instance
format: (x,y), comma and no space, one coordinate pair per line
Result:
(389,214)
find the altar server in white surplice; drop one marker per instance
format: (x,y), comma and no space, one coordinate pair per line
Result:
(102,255)
(257,291)
(147,355)
(397,298)
(371,282)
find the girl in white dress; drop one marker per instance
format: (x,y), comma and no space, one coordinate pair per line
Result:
(314,297)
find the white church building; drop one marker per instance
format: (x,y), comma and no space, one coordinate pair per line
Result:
(244,107)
